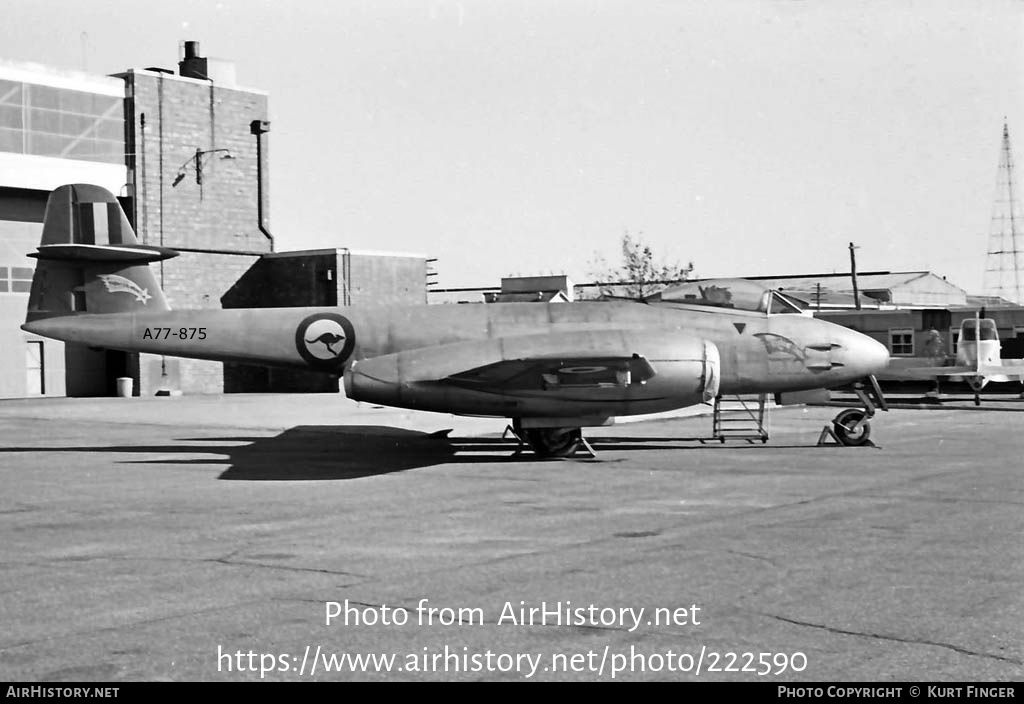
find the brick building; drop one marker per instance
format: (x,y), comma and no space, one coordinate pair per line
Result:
(196,170)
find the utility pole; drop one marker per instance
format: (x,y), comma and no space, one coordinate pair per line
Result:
(853,275)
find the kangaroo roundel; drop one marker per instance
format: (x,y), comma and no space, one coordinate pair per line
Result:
(325,340)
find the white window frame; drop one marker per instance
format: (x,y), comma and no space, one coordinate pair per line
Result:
(892,346)
(8,279)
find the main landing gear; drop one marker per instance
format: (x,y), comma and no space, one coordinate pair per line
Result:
(976,388)
(852,426)
(550,442)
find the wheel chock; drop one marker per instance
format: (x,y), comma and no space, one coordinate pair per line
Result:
(827,433)
(519,441)
(585,447)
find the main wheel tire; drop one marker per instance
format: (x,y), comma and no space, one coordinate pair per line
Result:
(851,427)
(554,442)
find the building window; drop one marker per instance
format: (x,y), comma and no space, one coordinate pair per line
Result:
(901,342)
(954,335)
(938,319)
(60,122)
(15,279)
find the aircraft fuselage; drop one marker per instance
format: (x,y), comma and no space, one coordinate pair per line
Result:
(758,353)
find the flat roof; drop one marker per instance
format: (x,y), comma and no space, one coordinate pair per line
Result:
(39,74)
(170,75)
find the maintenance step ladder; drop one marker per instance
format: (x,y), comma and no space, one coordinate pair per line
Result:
(746,419)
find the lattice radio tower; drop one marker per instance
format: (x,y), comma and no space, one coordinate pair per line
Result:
(1004,270)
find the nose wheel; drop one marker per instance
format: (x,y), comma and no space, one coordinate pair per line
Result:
(852,427)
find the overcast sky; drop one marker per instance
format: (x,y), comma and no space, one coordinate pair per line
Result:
(524,137)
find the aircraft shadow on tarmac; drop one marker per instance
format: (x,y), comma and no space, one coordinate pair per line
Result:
(350,452)
(336,452)
(307,453)
(299,453)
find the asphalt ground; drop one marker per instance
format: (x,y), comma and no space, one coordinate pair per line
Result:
(207,538)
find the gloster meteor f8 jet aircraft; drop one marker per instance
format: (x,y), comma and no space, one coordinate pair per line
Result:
(551,368)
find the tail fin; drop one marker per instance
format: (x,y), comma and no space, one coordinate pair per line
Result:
(90,260)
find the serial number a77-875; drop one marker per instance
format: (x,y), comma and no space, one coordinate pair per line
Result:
(171,333)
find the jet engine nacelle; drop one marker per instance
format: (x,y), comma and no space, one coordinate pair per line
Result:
(573,374)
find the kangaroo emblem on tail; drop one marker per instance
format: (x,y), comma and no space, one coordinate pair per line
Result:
(328,339)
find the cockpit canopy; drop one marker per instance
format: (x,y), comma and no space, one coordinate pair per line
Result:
(737,294)
(973,329)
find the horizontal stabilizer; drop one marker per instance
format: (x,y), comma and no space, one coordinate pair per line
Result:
(73,252)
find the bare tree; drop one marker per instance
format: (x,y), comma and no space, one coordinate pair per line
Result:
(639,275)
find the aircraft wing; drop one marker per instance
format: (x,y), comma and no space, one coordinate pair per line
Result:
(1007,370)
(558,372)
(937,372)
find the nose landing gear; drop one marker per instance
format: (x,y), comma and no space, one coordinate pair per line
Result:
(852,427)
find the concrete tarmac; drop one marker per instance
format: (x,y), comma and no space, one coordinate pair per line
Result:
(206,539)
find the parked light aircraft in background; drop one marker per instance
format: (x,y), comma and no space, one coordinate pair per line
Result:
(978,358)
(551,368)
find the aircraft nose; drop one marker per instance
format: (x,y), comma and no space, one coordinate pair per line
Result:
(863,355)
